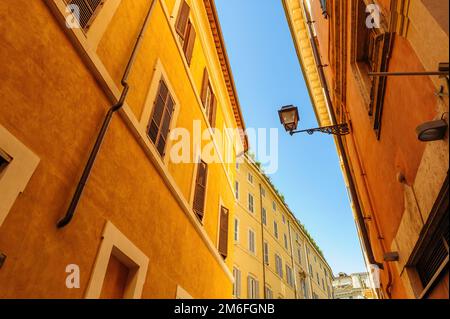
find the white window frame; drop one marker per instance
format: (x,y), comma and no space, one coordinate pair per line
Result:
(98,27)
(251,208)
(250,178)
(237,282)
(275,229)
(251,240)
(181,293)
(266,253)
(17,173)
(252,289)
(264,216)
(116,243)
(236,227)
(278,265)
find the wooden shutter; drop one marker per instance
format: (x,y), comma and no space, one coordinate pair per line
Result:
(205,85)
(188,47)
(200,190)
(249,287)
(212,112)
(159,126)
(223,232)
(182,20)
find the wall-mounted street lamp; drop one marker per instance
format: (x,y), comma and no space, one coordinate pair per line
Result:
(289,117)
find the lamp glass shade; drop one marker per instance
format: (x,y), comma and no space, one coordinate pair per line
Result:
(289,117)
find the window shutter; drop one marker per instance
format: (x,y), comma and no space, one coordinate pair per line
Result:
(249,287)
(212,112)
(256,289)
(182,20)
(223,232)
(200,189)
(159,126)
(205,87)
(189,43)
(238,284)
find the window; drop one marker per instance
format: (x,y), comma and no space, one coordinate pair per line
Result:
(323,284)
(289,276)
(264,216)
(237,282)
(269,293)
(5,159)
(88,11)
(209,100)
(310,270)
(200,190)
(252,288)
(286,245)
(186,31)
(430,257)
(236,190)
(266,253)
(237,166)
(274,206)
(299,255)
(279,265)
(284,219)
(120,262)
(304,288)
(223,232)
(17,165)
(369,47)
(250,203)
(162,113)
(275,229)
(251,241)
(250,178)
(263,192)
(317,276)
(236,230)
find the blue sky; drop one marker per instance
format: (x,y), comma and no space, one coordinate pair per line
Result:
(268,75)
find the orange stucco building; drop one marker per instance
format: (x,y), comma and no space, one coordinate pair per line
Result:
(144,226)
(400,184)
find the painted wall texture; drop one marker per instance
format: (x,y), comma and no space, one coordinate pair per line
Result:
(313,276)
(57,86)
(398,178)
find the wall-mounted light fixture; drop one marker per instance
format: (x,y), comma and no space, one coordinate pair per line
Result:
(289,117)
(432,131)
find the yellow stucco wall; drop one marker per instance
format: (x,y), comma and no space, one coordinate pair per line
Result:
(53,104)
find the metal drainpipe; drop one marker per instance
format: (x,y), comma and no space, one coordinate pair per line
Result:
(348,173)
(113,109)
(262,241)
(292,260)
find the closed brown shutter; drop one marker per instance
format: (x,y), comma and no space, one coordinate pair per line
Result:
(182,20)
(212,112)
(223,232)
(200,190)
(205,87)
(188,47)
